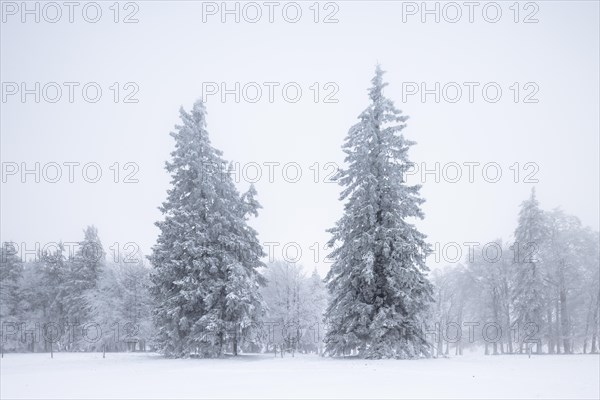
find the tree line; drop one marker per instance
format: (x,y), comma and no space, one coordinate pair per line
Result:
(539,293)
(84,302)
(73,302)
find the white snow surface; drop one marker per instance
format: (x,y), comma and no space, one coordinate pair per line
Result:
(150,376)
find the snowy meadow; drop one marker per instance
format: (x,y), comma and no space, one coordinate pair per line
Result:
(260,376)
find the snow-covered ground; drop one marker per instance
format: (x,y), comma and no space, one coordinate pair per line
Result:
(132,375)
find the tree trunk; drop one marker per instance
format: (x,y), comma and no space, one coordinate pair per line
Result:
(509,338)
(564,314)
(595,330)
(221,339)
(440,344)
(235,342)
(496,318)
(550,332)
(557,330)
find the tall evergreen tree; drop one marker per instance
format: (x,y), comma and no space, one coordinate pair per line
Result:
(54,276)
(85,267)
(530,288)
(206,257)
(378,283)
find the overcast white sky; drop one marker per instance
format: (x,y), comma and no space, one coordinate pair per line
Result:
(171,52)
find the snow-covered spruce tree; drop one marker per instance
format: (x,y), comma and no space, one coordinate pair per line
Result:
(205,279)
(84,269)
(378,284)
(530,287)
(52,291)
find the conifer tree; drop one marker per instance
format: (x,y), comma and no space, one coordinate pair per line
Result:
(206,257)
(378,283)
(84,268)
(530,290)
